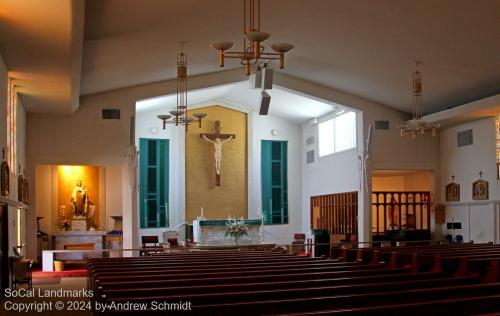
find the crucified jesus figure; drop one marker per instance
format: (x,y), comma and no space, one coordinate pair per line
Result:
(217,139)
(218,150)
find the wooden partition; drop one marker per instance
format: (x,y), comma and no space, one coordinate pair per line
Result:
(400,211)
(337,212)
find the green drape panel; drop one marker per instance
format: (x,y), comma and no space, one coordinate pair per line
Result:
(274,182)
(153,189)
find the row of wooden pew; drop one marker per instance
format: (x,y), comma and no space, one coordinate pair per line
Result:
(458,260)
(262,283)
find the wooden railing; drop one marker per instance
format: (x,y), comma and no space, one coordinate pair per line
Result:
(400,210)
(337,212)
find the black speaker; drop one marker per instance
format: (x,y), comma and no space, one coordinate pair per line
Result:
(321,242)
(256,80)
(267,78)
(265,100)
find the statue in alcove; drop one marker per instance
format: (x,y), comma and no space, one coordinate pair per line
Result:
(80,200)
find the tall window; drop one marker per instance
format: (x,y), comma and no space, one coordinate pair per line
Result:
(337,134)
(11,126)
(497,126)
(153,190)
(274,182)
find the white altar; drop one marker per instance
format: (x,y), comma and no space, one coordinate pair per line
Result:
(212,233)
(77,240)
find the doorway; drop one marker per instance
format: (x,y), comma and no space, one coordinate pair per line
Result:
(402,201)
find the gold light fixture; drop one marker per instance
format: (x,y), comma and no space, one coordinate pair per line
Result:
(180,116)
(253,38)
(417,126)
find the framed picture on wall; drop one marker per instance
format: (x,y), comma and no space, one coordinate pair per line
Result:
(480,190)
(453,192)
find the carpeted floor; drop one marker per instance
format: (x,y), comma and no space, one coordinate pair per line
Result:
(79,273)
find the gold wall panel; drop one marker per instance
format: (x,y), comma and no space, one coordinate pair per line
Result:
(230,198)
(67,177)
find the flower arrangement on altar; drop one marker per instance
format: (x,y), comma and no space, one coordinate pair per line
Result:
(63,222)
(236,228)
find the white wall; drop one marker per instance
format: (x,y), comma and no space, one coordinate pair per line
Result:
(146,123)
(466,162)
(113,196)
(259,128)
(479,222)
(21,141)
(44,203)
(388,149)
(388,183)
(335,173)
(418,181)
(82,138)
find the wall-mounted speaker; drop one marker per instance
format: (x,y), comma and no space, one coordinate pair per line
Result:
(256,80)
(265,99)
(267,79)
(310,156)
(310,140)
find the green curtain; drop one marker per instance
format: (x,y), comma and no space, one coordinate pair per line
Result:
(153,189)
(274,182)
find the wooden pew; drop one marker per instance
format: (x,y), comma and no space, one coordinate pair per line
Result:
(246,294)
(229,269)
(366,254)
(270,305)
(227,283)
(201,261)
(368,282)
(146,281)
(388,254)
(424,260)
(464,306)
(461,265)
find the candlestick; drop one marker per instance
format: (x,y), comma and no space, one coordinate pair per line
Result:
(202,211)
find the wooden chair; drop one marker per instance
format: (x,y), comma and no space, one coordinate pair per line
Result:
(298,243)
(21,271)
(172,242)
(149,242)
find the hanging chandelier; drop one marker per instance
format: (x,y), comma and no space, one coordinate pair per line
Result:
(417,126)
(253,51)
(180,115)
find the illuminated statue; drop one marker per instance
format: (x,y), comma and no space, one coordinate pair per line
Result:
(79,200)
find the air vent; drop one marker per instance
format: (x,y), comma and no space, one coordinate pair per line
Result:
(110,114)
(310,140)
(382,125)
(310,156)
(465,138)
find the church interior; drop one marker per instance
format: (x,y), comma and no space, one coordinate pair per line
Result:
(252,157)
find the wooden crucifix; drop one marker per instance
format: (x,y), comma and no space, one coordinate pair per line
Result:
(217,139)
